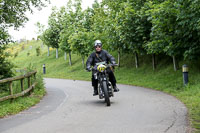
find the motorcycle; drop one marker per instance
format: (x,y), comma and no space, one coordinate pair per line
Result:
(105,89)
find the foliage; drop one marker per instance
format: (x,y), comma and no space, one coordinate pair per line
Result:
(68,23)
(80,42)
(40,29)
(175,28)
(38,51)
(141,26)
(163,37)
(13,14)
(54,29)
(133,27)
(5,68)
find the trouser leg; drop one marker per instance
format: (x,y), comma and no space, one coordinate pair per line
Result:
(94,82)
(113,81)
(112,78)
(95,85)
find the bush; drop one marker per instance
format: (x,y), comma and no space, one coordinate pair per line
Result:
(5,68)
(22,47)
(38,51)
(16,54)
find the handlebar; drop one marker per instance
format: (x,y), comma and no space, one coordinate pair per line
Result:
(108,65)
(113,64)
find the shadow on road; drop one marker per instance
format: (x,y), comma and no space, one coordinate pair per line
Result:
(96,103)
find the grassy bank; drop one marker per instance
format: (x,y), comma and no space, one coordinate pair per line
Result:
(163,78)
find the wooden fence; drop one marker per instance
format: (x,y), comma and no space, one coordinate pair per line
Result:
(23,91)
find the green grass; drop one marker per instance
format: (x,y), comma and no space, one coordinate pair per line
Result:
(13,107)
(164,78)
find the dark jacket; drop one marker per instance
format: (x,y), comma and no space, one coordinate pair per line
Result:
(103,56)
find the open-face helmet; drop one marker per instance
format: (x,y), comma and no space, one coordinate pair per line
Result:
(97,43)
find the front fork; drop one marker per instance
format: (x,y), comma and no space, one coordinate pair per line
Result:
(100,90)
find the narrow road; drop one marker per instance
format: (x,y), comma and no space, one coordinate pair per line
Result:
(69,107)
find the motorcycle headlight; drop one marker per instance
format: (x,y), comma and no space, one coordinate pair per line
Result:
(101,68)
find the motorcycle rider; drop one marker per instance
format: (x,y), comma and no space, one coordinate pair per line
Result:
(98,56)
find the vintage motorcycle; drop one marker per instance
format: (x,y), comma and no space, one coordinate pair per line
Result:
(105,89)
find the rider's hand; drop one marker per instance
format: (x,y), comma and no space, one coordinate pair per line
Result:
(89,69)
(113,63)
(95,68)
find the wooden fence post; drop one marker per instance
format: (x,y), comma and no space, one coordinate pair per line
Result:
(22,84)
(34,80)
(29,84)
(34,76)
(11,89)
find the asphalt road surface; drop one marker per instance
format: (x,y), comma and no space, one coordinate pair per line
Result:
(69,107)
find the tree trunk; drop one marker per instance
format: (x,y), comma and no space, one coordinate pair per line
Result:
(118,57)
(56,53)
(65,56)
(48,52)
(136,60)
(154,61)
(42,45)
(83,62)
(70,60)
(175,62)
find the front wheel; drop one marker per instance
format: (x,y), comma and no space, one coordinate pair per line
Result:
(106,95)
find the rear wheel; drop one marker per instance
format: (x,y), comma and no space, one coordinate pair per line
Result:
(106,95)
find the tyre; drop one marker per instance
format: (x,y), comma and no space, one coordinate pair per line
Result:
(106,95)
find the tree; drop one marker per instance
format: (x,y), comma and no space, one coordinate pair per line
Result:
(130,27)
(104,25)
(81,43)
(12,14)
(64,44)
(46,40)
(188,30)
(175,30)
(69,25)
(40,29)
(76,33)
(54,30)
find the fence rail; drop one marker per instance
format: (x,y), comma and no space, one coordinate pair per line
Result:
(23,91)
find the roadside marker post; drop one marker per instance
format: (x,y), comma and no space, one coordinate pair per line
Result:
(44,69)
(185,74)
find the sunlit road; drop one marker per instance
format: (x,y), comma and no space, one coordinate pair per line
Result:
(69,107)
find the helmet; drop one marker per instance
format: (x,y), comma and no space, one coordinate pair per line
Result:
(97,43)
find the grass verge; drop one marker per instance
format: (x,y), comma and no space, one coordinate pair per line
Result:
(17,105)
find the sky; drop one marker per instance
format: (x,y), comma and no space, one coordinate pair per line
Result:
(29,30)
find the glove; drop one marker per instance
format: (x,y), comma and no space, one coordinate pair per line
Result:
(89,69)
(113,62)
(95,68)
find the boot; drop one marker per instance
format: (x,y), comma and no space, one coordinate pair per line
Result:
(115,88)
(95,91)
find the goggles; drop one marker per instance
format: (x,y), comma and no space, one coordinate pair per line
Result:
(98,44)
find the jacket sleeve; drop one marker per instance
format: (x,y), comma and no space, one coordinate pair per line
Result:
(89,61)
(110,57)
